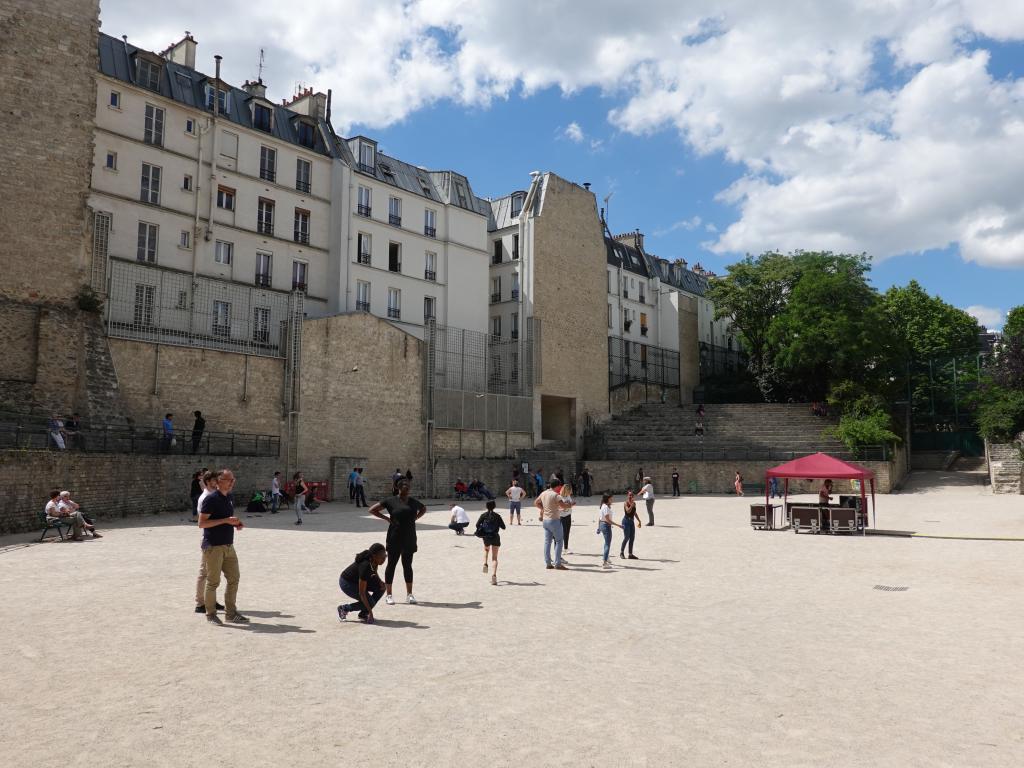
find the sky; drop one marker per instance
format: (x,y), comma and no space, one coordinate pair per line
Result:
(888,127)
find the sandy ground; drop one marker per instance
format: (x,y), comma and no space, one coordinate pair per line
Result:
(721,646)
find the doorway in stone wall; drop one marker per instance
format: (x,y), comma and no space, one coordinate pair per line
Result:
(558,420)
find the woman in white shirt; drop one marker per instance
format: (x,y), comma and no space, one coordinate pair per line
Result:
(647,494)
(604,526)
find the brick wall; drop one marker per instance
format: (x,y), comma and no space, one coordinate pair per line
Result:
(111,485)
(627,397)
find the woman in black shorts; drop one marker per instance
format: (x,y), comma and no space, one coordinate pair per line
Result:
(402,513)
(488,528)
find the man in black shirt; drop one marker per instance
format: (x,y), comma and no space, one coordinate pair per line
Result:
(218,521)
(198,427)
(675,482)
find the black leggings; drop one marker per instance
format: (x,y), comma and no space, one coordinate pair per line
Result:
(389,570)
(566,527)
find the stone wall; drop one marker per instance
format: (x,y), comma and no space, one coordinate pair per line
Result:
(236,393)
(474,443)
(628,397)
(111,485)
(496,474)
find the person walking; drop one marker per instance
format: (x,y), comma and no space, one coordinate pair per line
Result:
(275,493)
(361,582)
(167,425)
(647,494)
(352,484)
(604,527)
(402,513)
(218,521)
(515,494)
(194,492)
(488,527)
(459,521)
(360,488)
(630,522)
(550,505)
(198,427)
(737,483)
(208,483)
(565,491)
(301,489)
(675,482)
(538,479)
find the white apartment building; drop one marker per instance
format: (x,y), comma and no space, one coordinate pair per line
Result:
(507,298)
(414,243)
(183,191)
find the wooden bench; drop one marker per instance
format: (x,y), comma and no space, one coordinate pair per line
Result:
(58,524)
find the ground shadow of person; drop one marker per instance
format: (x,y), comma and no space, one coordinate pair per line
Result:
(474,604)
(270,614)
(398,624)
(503,583)
(272,629)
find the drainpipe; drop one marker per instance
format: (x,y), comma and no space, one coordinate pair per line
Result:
(213,149)
(195,218)
(128,56)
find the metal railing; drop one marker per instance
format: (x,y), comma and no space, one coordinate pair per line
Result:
(263,280)
(430,231)
(367,169)
(268,174)
(654,365)
(364,210)
(302,186)
(301,237)
(265,227)
(395,221)
(363,258)
(596,450)
(362,306)
(394,314)
(495,298)
(429,274)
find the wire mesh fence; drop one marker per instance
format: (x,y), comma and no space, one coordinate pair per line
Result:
(630,361)
(149,303)
(715,360)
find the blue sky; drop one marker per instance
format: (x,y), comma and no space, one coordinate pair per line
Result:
(720,127)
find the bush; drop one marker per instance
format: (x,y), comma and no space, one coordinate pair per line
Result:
(1001,413)
(88,300)
(864,420)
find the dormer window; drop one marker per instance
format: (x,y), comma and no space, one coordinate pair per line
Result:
(222,99)
(262,117)
(307,136)
(148,74)
(517,205)
(367,157)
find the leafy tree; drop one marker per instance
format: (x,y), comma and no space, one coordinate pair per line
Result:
(1014,326)
(865,421)
(926,326)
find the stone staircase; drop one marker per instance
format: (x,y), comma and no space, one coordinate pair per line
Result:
(655,431)
(1005,467)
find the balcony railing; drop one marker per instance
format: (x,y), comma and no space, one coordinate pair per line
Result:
(268,174)
(302,186)
(429,274)
(515,334)
(495,298)
(263,280)
(364,210)
(362,306)
(430,231)
(496,258)
(643,330)
(394,266)
(515,294)
(301,237)
(297,286)
(364,258)
(393,220)
(265,228)
(221,330)
(367,169)
(394,313)
(627,325)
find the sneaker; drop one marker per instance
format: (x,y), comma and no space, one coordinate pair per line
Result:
(342,613)
(200,609)
(410,600)
(389,599)
(213,618)
(622,555)
(238,619)
(485,567)
(561,568)
(632,557)
(298,522)
(549,566)
(606,564)
(96,535)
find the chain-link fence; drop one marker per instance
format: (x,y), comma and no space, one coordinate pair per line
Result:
(630,361)
(715,360)
(149,303)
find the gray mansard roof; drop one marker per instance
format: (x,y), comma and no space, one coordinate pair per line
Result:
(644,264)
(188,86)
(501,211)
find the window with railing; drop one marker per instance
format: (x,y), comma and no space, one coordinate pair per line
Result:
(265,217)
(364,205)
(394,303)
(261,325)
(430,266)
(367,163)
(429,309)
(263,269)
(362,296)
(643,322)
(394,257)
(221,318)
(395,211)
(430,222)
(364,246)
(303,174)
(496,257)
(300,269)
(301,229)
(268,164)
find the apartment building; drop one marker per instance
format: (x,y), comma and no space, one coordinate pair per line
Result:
(414,242)
(211,203)
(505,291)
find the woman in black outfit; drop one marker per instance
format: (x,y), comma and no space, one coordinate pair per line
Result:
(195,492)
(402,513)
(360,581)
(488,528)
(630,522)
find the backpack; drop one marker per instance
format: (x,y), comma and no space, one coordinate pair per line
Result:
(487,526)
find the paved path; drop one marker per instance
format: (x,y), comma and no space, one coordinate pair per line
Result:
(721,646)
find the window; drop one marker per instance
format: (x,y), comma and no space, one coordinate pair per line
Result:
(515,286)
(101,237)
(364,206)
(625,287)
(513,325)
(145,298)
(299,272)
(268,164)
(186,182)
(642,300)
(429,309)
(226,198)
(185,241)
(609,315)
(366,159)
(228,147)
(182,300)
(111,161)
(147,242)
(265,217)
(395,211)
(150,188)
(643,322)
(221,318)
(395,257)
(430,222)
(153,127)
(517,205)
(495,289)
(496,258)
(303,174)
(115,100)
(362,296)
(515,247)
(307,136)
(364,245)
(626,322)
(261,117)
(301,231)
(149,74)
(223,252)
(609,281)
(394,303)
(430,266)
(222,99)
(263,264)
(190,126)
(261,325)
(496,326)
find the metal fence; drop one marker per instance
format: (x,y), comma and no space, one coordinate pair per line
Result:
(477,381)
(149,303)
(715,360)
(630,361)
(598,452)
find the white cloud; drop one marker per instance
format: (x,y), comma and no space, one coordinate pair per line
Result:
(861,124)
(991,317)
(574,133)
(688,225)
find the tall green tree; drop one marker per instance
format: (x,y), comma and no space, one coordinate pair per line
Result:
(1014,326)
(926,326)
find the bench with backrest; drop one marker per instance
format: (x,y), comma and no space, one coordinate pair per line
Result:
(60,524)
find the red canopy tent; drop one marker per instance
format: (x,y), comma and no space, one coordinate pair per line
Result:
(821,466)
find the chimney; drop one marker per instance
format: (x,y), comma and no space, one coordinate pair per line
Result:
(255,88)
(586,185)
(638,240)
(306,102)
(182,52)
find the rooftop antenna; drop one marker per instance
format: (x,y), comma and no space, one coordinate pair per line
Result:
(607,206)
(259,70)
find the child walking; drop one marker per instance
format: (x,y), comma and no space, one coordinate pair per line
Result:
(488,528)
